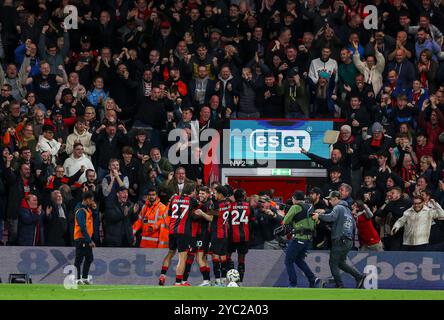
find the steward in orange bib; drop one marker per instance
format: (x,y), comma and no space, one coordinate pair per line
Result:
(151,220)
(164,233)
(83,231)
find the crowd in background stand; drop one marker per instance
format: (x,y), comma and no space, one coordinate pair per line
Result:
(91,108)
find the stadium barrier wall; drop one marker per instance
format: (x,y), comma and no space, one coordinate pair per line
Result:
(265,268)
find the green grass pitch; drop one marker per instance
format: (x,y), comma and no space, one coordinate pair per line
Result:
(127,292)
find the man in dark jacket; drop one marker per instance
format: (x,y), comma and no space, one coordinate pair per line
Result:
(336,159)
(226,87)
(364,91)
(372,146)
(266,220)
(123,90)
(270,99)
(132,169)
(248,91)
(342,236)
(391,211)
(165,40)
(119,218)
(145,85)
(158,163)
(19,186)
(202,58)
(30,224)
(56,225)
(109,140)
(357,115)
(201,88)
(176,185)
(151,112)
(334,182)
(404,68)
(105,30)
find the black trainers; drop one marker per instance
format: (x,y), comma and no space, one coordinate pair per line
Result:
(315,283)
(360,282)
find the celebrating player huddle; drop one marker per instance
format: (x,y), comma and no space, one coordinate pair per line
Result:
(216,225)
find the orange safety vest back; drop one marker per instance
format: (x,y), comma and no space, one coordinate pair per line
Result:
(164,233)
(89,224)
(150,218)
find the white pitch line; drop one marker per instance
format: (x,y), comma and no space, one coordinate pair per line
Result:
(166,287)
(135,288)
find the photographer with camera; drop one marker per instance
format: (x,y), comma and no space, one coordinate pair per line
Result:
(267,219)
(301,239)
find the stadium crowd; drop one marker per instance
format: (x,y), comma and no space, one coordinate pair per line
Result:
(90,109)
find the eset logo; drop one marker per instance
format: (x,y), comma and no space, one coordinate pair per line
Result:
(279,141)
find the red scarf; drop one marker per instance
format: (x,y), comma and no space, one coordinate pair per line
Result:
(202,124)
(393,99)
(423,75)
(416,96)
(375,142)
(349,141)
(26,186)
(408,175)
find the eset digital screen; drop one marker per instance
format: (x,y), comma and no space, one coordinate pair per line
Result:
(277,139)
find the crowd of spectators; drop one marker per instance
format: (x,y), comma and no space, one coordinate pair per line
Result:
(91,108)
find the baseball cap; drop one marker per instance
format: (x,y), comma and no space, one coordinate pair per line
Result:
(292,72)
(316,190)
(216,30)
(324,74)
(299,195)
(85,39)
(57,112)
(165,25)
(264,199)
(334,194)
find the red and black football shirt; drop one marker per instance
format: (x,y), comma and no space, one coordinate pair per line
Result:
(238,222)
(180,211)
